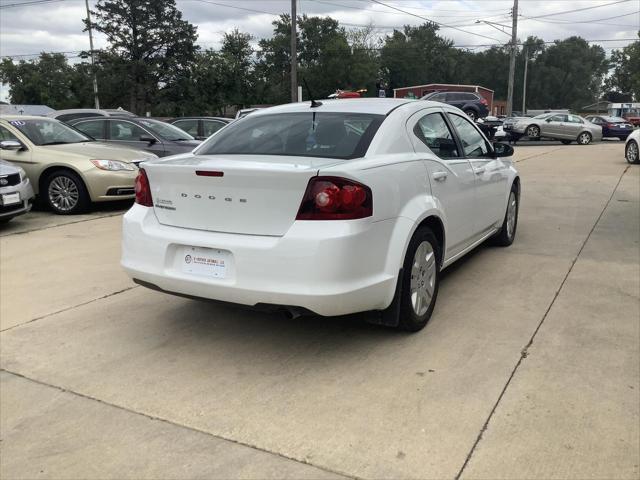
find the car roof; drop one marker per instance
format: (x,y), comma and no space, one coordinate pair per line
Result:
(379,106)
(196,117)
(10,118)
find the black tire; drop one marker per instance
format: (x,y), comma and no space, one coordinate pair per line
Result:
(631,152)
(566,142)
(71,200)
(584,138)
(506,235)
(5,220)
(472,114)
(533,131)
(409,319)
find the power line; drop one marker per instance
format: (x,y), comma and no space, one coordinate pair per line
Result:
(433,21)
(26,4)
(571,22)
(581,9)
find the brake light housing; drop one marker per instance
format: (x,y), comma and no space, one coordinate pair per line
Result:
(483,101)
(143,189)
(335,198)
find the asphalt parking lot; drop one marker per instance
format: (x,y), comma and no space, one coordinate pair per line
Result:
(529,368)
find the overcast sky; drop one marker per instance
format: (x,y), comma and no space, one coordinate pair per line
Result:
(57,26)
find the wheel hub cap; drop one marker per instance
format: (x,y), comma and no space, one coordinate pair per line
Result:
(423,278)
(63,193)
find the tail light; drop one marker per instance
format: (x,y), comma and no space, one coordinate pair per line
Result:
(335,198)
(483,101)
(143,189)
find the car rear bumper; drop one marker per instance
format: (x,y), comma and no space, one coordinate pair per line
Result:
(26,199)
(617,132)
(326,267)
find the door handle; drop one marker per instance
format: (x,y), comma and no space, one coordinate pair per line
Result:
(439,176)
(480,171)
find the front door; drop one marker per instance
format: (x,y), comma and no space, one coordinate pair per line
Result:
(491,175)
(128,134)
(553,126)
(23,158)
(450,175)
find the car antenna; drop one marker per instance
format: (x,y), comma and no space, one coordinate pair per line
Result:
(314,102)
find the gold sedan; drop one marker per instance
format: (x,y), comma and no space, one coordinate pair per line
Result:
(68,170)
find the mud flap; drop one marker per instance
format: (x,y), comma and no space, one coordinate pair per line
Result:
(390,316)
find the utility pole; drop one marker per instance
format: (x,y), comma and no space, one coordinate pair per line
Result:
(512,63)
(96,101)
(524,83)
(294,54)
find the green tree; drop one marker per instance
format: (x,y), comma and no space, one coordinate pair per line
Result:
(47,80)
(567,74)
(155,44)
(417,56)
(625,77)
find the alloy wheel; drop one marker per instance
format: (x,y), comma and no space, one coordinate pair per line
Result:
(584,138)
(63,193)
(632,152)
(512,210)
(533,131)
(423,278)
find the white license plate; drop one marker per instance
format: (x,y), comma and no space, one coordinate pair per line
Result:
(11,198)
(206,262)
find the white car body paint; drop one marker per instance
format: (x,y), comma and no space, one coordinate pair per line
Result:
(331,267)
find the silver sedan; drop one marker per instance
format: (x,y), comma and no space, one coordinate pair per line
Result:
(16,194)
(558,126)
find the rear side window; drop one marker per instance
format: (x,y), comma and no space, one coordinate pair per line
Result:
(211,126)
(559,118)
(308,134)
(94,129)
(574,119)
(432,130)
(190,126)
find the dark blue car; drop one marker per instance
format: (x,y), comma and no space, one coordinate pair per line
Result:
(612,127)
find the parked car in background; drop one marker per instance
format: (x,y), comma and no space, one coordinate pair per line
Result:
(67,169)
(324,208)
(632,147)
(16,193)
(557,126)
(200,128)
(141,133)
(473,104)
(612,127)
(76,113)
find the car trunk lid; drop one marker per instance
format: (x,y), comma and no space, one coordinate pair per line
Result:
(246,194)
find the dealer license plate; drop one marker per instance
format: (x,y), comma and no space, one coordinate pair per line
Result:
(11,198)
(206,262)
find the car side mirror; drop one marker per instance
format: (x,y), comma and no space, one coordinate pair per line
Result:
(10,145)
(148,138)
(502,150)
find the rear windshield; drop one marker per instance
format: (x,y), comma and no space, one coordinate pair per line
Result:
(614,119)
(307,134)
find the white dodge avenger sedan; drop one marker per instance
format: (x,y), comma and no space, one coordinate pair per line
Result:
(329,208)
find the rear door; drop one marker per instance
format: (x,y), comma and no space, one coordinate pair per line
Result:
(450,175)
(573,126)
(491,174)
(456,99)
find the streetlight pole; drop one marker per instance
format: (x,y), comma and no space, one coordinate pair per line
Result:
(96,100)
(294,54)
(512,63)
(524,83)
